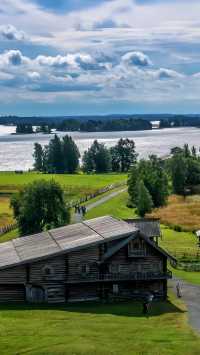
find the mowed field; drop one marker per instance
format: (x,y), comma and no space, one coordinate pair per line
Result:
(180,211)
(75,186)
(116,207)
(97,329)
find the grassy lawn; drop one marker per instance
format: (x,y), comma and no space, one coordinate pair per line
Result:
(181,212)
(115,207)
(188,276)
(74,185)
(178,243)
(97,329)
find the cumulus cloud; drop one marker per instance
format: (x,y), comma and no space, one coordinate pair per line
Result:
(13,58)
(72,61)
(9,32)
(137,59)
(34,75)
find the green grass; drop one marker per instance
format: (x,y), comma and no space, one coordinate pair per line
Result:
(97,329)
(116,207)
(178,243)
(9,236)
(188,276)
(74,185)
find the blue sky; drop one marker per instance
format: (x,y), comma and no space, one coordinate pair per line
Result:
(99,56)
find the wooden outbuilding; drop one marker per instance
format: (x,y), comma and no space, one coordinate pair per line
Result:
(97,259)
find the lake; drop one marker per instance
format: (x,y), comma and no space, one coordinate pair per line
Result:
(16,150)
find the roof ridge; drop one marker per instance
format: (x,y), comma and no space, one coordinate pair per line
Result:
(86,225)
(52,237)
(14,247)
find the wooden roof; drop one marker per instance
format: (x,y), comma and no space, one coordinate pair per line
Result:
(61,240)
(148,226)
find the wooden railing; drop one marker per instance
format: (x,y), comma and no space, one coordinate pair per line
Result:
(135,276)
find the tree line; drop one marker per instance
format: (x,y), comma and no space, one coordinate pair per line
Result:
(27,128)
(62,155)
(116,124)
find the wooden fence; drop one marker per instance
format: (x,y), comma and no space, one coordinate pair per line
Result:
(8,228)
(99,192)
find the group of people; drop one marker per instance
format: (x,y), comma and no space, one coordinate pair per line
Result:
(81,209)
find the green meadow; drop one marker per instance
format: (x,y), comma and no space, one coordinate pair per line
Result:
(97,329)
(75,186)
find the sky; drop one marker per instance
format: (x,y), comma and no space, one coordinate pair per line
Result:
(73,57)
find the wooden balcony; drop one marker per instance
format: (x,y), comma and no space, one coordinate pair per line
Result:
(133,276)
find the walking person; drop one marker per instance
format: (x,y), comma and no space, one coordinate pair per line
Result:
(178,290)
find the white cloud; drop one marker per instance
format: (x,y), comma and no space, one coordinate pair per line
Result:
(9,32)
(34,75)
(137,59)
(13,58)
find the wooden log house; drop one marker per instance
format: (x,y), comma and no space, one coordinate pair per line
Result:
(96,259)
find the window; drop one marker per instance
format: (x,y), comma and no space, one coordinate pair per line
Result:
(48,271)
(85,268)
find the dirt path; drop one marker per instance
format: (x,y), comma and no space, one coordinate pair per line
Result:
(77,217)
(191,297)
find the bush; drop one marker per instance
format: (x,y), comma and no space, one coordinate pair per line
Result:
(177,228)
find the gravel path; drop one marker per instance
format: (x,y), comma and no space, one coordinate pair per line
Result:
(191,297)
(77,217)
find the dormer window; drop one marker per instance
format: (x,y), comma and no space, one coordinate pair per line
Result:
(137,248)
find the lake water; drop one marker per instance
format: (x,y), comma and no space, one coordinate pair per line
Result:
(16,150)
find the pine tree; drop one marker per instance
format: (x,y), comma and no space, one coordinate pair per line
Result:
(70,154)
(38,156)
(144,201)
(55,156)
(179,174)
(97,159)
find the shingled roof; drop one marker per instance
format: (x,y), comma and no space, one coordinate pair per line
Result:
(150,227)
(61,240)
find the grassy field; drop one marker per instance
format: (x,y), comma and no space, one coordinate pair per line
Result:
(116,207)
(97,329)
(178,243)
(181,212)
(188,276)
(6,215)
(74,185)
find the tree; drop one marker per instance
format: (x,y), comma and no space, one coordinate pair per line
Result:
(144,201)
(97,159)
(38,156)
(71,155)
(39,206)
(55,157)
(179,173)
(124,155)
(152,173)
(133,184)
